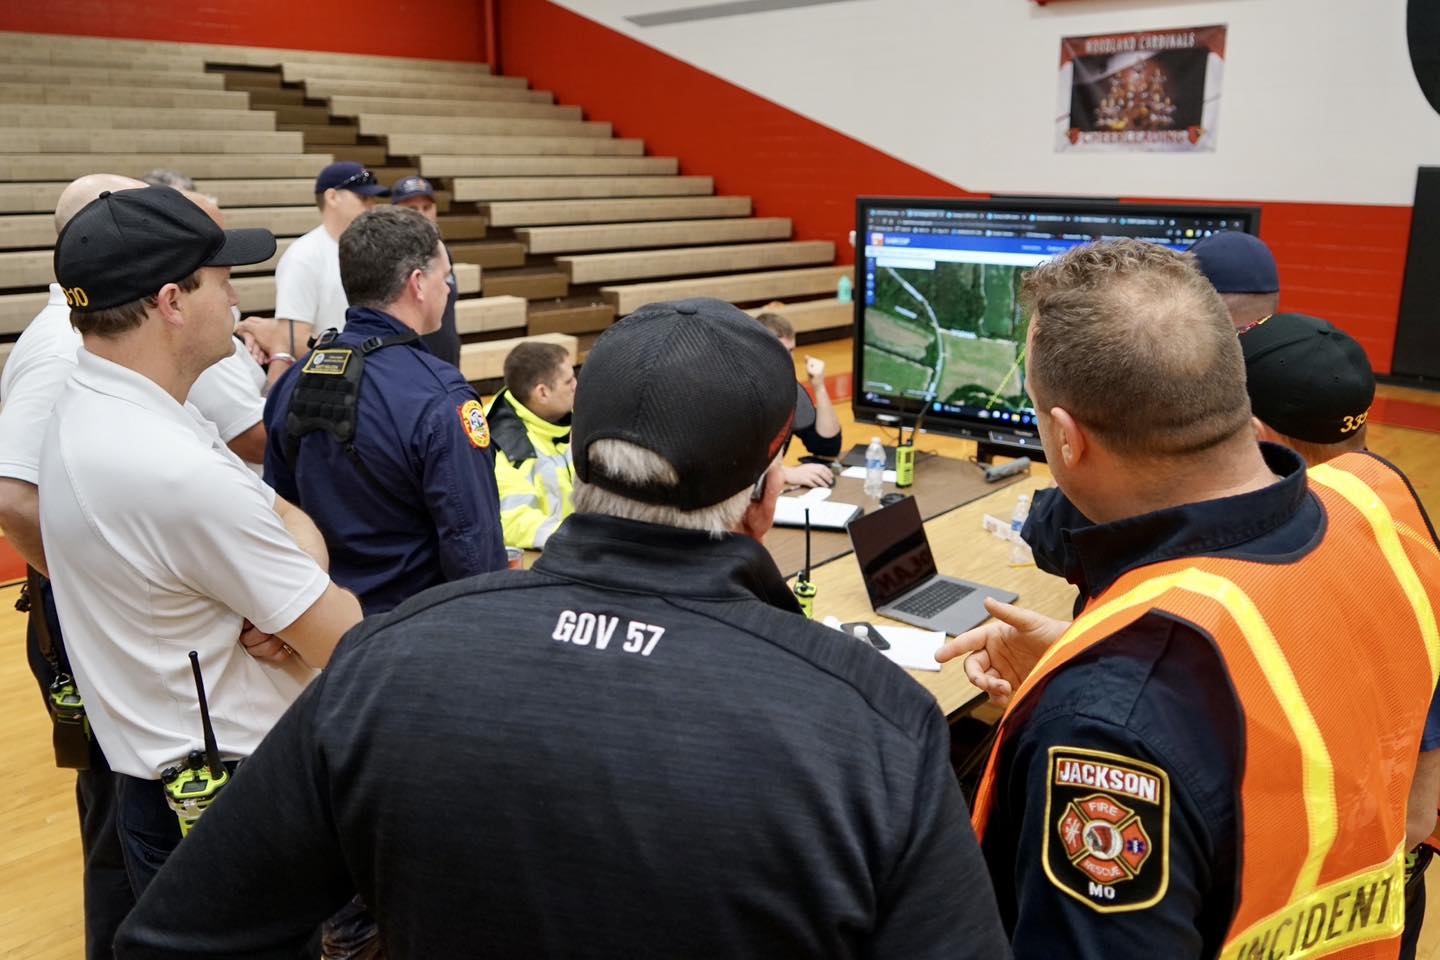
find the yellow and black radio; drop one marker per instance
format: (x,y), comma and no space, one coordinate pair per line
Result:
(193,784)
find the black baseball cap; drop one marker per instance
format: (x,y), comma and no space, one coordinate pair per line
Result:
(1236,262)
(411,187)
(346,175)
(697,382)
(124,246)
(1306,378)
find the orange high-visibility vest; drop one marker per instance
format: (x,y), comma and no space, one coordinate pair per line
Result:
(1334,659)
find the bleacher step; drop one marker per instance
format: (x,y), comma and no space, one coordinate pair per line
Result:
(665,233)
(614,267)
(739,288)
(489,189)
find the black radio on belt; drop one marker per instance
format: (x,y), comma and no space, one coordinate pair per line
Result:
(69,727)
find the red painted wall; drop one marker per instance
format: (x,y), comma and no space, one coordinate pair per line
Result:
(438,29)
(1342,262)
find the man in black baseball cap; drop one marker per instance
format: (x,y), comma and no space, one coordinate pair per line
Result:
(1242,270)
(671,440)
(118,258)
(639,706)
(418,194)
(140,498)
(1310,385)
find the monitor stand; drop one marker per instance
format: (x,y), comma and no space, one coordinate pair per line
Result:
(987,450)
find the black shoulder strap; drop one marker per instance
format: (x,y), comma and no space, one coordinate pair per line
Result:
(379,343)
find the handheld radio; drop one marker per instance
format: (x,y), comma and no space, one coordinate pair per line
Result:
(193,784)
(805,590)
(905,450)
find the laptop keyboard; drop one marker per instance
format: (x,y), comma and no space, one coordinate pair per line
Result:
(934,598)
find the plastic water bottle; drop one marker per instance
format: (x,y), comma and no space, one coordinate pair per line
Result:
(844,289)
(874,468)
(1019,552)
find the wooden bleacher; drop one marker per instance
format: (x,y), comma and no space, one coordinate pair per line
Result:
(571,225)
(343,106)
(490,189)
(445,166)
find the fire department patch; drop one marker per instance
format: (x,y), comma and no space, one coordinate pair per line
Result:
(1107,843)
(472,415)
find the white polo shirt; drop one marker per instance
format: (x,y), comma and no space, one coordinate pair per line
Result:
(307,283)
(230,395)
(44,358)
(160,541)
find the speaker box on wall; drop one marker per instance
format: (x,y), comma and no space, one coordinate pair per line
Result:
(1417,336)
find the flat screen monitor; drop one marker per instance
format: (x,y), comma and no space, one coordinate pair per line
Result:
(937,315)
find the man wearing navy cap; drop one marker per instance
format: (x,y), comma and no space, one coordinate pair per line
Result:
(308,295)
(1242,270)
(418,194)
(159,539)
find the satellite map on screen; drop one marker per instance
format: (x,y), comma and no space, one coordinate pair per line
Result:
(955,331)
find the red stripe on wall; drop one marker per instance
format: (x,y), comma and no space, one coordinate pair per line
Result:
(434,29)
(1345,263)
(1341,262)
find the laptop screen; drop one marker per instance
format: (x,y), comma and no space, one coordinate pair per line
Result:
(892,550)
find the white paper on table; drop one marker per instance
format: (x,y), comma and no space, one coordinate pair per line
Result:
(816,493)
(858,473)
(910,648)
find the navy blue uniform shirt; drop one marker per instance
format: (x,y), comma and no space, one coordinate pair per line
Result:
(424,509)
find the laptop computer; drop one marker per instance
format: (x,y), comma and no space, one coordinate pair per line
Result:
(900,574)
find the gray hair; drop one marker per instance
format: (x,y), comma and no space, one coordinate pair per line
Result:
(626,461)
(168,178)
(380,250)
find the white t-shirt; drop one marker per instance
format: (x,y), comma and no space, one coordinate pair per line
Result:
(161,541)
(229,394)
(307,283)
(44,358)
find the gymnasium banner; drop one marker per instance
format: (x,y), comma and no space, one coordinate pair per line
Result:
(1151,90)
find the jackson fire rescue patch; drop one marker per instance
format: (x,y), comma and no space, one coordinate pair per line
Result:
(472,415)
(1107,839)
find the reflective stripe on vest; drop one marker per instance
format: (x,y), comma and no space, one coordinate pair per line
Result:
(1293,900)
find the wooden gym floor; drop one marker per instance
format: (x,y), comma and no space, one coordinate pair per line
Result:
(40,897)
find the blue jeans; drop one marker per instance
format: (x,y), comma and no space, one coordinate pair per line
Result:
(149,832)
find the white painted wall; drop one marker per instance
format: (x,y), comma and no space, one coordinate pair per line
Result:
(1319,103)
